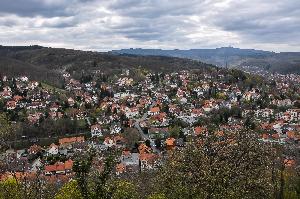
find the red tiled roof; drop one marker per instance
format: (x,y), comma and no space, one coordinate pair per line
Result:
(53,145)
(143,148)
(68,164)
(35,148)
(198,130)
(95,126)
(126,152)
(290,134)
(148,157)
(120,168)
(50,168)
(265,136)
(170,141)
(289,162)
(11,103)
(59,166)
(154,109)
(275,136)
(71,140)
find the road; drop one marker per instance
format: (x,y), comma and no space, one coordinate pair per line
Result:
(143,135)
(88,121)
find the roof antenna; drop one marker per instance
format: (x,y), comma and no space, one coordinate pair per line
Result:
(226,59)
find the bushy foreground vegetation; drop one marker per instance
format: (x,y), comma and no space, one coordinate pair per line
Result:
(212,166)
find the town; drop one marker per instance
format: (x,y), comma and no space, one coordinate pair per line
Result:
(140,116)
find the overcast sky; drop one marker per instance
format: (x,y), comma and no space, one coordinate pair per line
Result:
(113,24)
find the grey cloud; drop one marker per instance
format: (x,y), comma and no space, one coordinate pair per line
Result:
(48,8)
(31,8)
(267,21)
(111,24)
(156,8)
(59,22)
(144,29)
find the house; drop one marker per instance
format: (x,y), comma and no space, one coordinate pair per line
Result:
(247,96)
(79,146)
(119,140)
(170,143)
(34,149)
(196,113)
(180,93)
(6,94)
(285,102)
(36,164)
(36,105)
(129,158)
(7,88)
(295,114)
(71,101)
(158,133)
(264,113)
(56,115)
(64,151)
(154,111)
(207,107)
(109,142)
(96,130)
(115,129)
(180,142)
(21,153)
(120,168)
(159,120)
(76,114)
(114,141)
(17,98)
(28,175)
(66,75)
(54,107)
(24,79)
(148,161)
(53,149)
(132,112)
(88,99)
(290,134)
(11,105)
(199,130)
(143,148)
(289,162)
(68,165)
(34,118)
(5,79)
(32,85)
(71,140)
(59,168)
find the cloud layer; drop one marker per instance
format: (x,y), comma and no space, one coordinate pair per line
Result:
(113,24)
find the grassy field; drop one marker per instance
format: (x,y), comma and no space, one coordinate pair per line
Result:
(52,88)
(62,93)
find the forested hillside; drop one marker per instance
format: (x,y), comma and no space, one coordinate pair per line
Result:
(47,64)
(285,62)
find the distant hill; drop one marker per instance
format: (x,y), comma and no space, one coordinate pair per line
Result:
(286,62)
(48,64)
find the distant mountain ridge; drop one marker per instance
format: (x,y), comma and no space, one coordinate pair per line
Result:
(285,62)
(196,52)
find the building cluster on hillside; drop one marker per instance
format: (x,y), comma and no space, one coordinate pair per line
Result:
(164,110)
